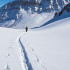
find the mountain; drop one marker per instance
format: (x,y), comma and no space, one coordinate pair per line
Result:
(46,47)
(64,13)
(65,9)
(22,12)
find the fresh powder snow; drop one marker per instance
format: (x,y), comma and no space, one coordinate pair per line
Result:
(46,44)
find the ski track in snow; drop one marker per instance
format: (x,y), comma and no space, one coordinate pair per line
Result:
(37,59)
(7,67)
(26,63)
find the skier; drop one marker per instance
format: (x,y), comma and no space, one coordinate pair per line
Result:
(26,29)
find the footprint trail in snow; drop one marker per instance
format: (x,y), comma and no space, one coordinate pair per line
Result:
(24,56)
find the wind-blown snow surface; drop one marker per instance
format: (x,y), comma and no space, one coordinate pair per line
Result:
(45,49)
(25,18)
(9,52)
(49,48)
(32,20)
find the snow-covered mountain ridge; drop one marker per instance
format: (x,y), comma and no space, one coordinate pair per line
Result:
(22,13)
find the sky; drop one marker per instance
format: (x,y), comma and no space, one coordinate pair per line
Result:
(3,2)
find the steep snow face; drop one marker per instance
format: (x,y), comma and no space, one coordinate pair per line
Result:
(14,11)
(59,4)
(16,15)
(64,12)
(66,8)
(54,4)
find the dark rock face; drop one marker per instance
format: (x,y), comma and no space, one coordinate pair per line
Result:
(66,8)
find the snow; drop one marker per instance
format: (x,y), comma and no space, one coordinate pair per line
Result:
(49,49)
(44,47)
(9,52)
(13,7)
(32,20)
(22,18)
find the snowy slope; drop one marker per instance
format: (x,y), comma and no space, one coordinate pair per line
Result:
(10,54)
(64,13)
(44,49)
(16,13)
(24,18)
(49,49)
(19,16)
